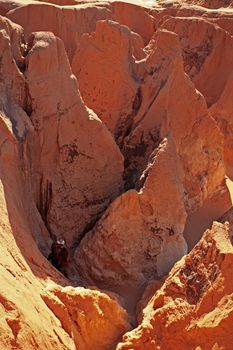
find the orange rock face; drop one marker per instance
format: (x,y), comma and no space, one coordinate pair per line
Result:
(31,316)
(102,65)
(116,136)
(146,226)
(194,307)
(76,176)
(223,114)
(210,3)
(81,310)
(203,45)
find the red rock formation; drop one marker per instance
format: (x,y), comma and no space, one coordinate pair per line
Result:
(103,65)
(67,23)
(194,307)
(133,16)
(210,3)
(26,321)
(130,185)
(222,111)
(76,166)
(203,45)
(91,318)
(146,227)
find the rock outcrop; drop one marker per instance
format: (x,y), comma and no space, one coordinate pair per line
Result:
(80,310)
(68,23)
(146,226)
(103,65)
(194,307)
(31,314)
(203,44)
(213,4)
(76,166)
(67,165)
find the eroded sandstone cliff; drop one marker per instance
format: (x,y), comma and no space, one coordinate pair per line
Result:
(116,135)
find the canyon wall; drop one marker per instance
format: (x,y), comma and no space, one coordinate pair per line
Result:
(116,136)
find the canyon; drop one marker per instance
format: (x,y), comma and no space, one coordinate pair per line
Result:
(116,136)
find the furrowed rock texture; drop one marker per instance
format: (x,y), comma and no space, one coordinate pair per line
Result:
(36,312)
(140,235)
(204,45)
(8,5)
(70,22)
(67,23)
(196,4)
(213,4)
(194,307)
(178,8)
(78,169)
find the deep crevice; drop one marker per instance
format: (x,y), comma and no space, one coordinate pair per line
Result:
(44,202)
(137,160)
(27,105)
(89,226)
(137,157)
(125,124)
(25,48)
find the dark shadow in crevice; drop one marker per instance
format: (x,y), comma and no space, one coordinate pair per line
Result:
(20,218)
